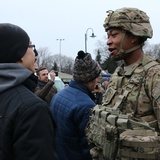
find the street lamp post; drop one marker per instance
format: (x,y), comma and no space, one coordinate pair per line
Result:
(60,40)
(93,35)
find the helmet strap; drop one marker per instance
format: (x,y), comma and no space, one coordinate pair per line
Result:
(132,49)
(122,51)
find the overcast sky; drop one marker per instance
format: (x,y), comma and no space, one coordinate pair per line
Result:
(48,20)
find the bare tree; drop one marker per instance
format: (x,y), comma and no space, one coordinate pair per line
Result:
(67,65)
(66,62)
(152,50)
(43,58)
(102,48)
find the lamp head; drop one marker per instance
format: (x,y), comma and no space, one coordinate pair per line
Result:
(93,36)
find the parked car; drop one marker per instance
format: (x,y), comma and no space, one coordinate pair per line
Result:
(105,76)
(58,83)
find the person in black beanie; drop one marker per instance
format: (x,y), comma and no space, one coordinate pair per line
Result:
(71,109)
(26,126)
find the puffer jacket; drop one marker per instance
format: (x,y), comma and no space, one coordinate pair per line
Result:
(26,125)
(71,109)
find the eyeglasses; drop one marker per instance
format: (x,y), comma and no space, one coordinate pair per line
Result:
(31,46)
(34,49)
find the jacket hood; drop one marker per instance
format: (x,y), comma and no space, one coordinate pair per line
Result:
(11,75)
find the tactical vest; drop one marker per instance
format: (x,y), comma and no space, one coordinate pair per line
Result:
(115,131)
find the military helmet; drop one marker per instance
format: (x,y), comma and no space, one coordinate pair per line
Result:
(130,19)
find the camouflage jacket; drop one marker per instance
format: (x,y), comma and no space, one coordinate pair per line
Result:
(143,82)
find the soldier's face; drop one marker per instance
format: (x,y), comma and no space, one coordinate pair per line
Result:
(116,42)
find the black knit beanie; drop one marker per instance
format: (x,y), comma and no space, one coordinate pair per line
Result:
(85,68)
(14,42)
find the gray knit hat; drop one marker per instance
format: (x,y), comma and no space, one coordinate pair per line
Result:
(85,68)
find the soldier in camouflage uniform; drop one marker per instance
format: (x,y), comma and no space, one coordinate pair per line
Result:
(134,88)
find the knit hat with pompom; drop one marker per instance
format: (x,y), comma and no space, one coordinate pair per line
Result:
(85,68)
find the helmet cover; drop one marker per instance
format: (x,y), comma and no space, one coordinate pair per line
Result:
(129,19)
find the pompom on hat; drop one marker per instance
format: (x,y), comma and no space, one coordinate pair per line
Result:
(14,42)
(85,68)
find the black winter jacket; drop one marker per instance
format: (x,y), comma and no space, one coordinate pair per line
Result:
(26,126)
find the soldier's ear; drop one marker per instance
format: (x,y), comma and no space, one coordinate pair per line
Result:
(134,39)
